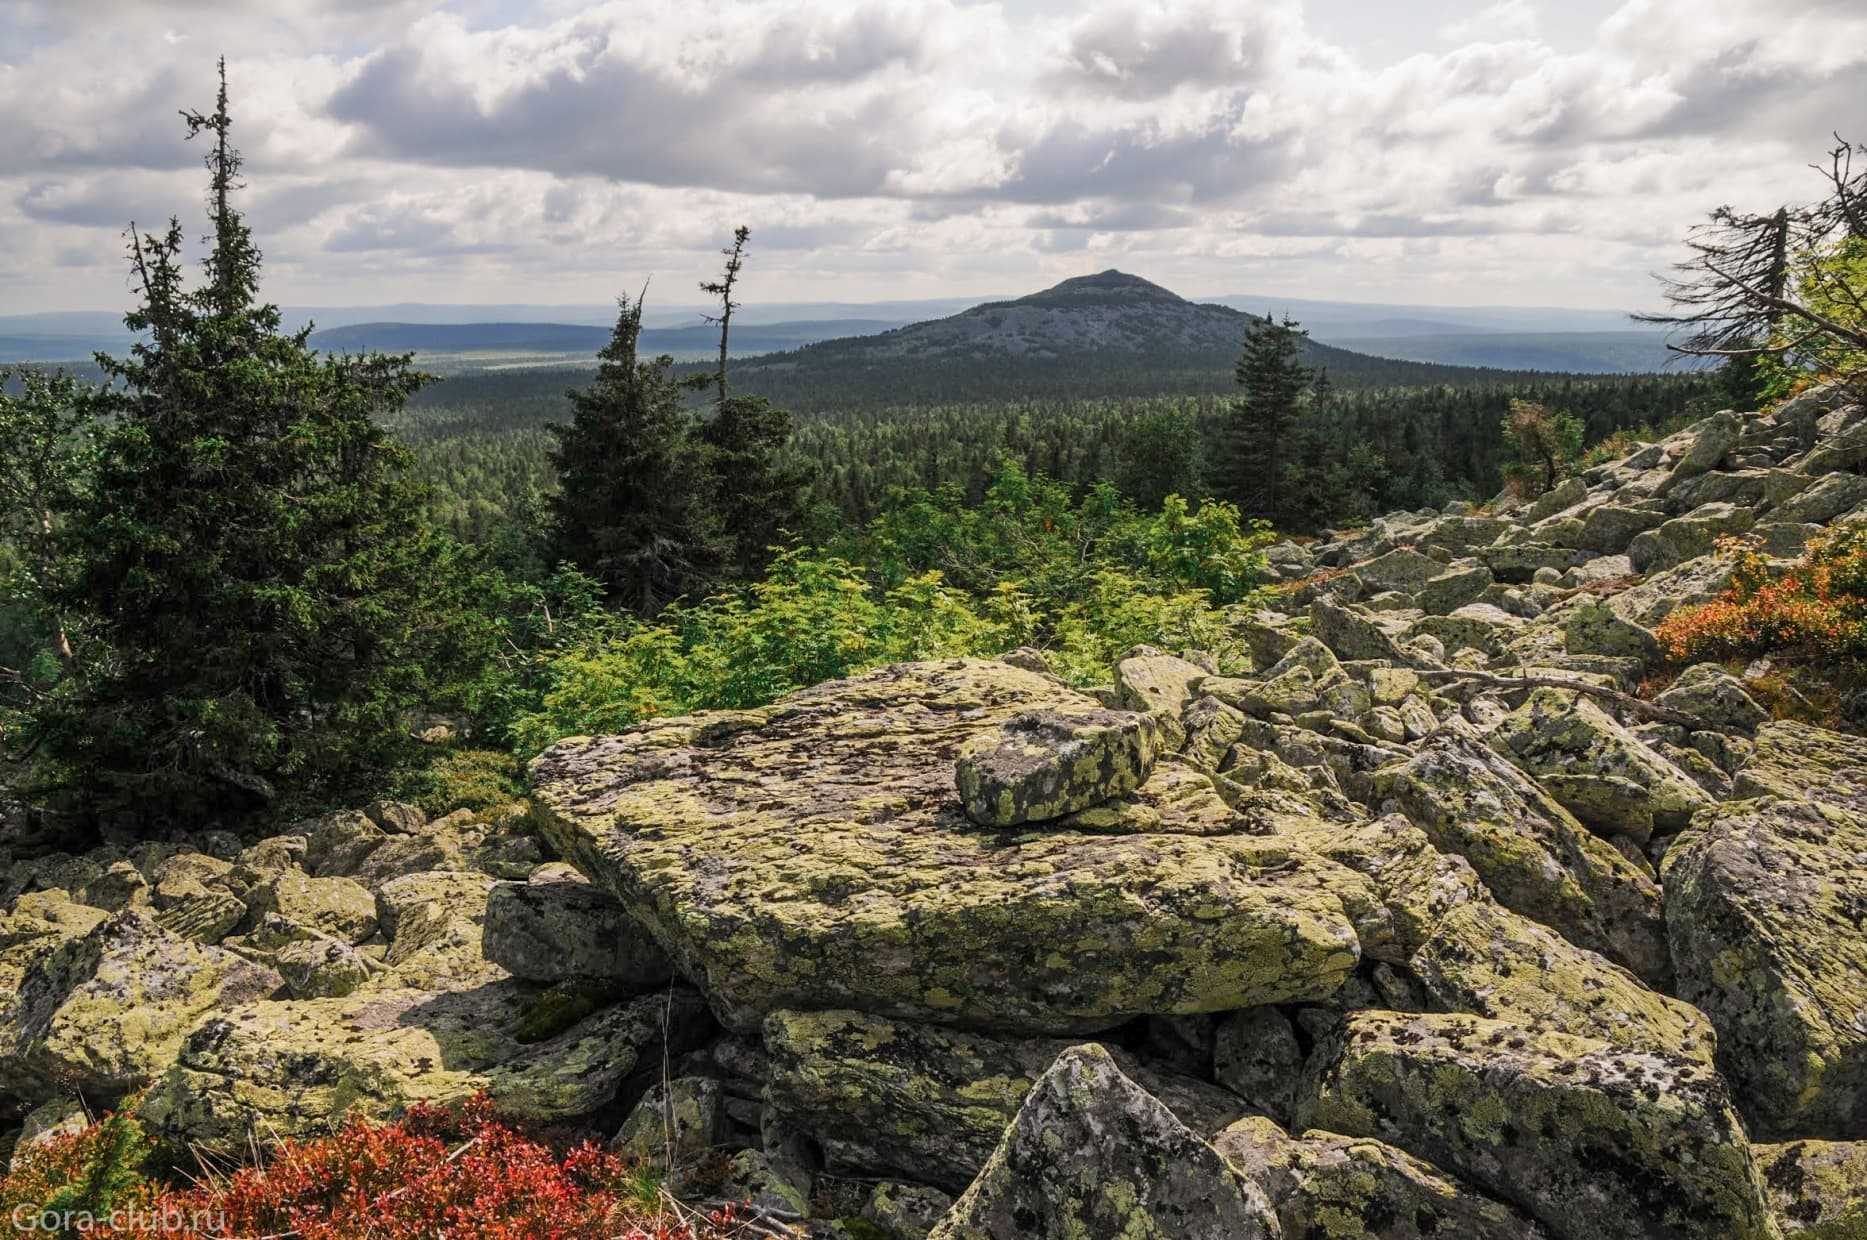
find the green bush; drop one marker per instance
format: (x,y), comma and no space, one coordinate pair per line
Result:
(460,778)
(932,578)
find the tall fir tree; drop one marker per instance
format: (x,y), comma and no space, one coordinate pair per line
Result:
(1271,371)
(250,572)
(634,504)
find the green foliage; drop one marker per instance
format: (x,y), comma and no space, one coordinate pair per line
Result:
(756,492)
(1032,533)
(80,1176)
(1160,454)
(45,466)
(257,602)
(812,618)
(454,777)
(933,577)
(1121,610)
(1544,445)
(1834,284)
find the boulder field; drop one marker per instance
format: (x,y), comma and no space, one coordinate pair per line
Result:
(1411,922)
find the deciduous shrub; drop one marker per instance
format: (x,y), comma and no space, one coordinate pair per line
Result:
(460,1174)
(1815,611)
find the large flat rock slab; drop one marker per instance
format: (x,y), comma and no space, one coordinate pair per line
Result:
(815,854)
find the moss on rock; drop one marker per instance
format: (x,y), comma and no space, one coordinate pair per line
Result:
(300,1068)
(1488,961)
(1531,853)
(922,1101)
(1764,901)
(1817,1188)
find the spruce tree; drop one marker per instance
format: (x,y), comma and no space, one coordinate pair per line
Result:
(633,506)
(756,492)
(1271,371)
(250,571)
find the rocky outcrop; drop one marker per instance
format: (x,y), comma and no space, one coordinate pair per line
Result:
(1531,853)
(105,1013)
(773,887)
(923,1100)
(1324,1186)
(1763,906)
(1437,902)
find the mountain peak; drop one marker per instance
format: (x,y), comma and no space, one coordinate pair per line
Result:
(1102,288)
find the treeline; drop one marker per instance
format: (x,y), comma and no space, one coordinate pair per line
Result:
(1352,454)
(853,375)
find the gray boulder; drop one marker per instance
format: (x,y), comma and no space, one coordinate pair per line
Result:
(1091,1153)
(558,926)
(1594,1143)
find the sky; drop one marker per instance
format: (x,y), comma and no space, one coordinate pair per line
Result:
(1447,152)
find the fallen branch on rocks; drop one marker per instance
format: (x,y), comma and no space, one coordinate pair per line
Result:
(1639,706)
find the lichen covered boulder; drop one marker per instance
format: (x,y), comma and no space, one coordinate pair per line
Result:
(815,854)
(557,926)
(1044,764)
(1488,961)
(1596,768)
(1091,1153)
(1763,906)
(1531,853)
(1817,1188)
(1595,1143)
(1798,762)
(683,1115)
(105,1013)
(1329,1187)
(339,907)
(300,1068)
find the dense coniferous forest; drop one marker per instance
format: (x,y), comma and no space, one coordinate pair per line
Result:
(478,439)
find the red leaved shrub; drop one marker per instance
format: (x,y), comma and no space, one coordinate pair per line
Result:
(463,1175)
(1817,610)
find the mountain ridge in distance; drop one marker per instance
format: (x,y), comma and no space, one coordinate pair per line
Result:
(1107,334)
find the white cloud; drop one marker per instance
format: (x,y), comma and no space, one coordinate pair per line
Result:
(493,149)
(1497,23)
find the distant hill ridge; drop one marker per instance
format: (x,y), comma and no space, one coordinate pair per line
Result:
(1107,334)
(576,338)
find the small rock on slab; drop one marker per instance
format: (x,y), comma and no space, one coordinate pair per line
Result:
(1044,764)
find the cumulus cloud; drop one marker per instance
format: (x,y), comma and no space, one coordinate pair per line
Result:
(535,146)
